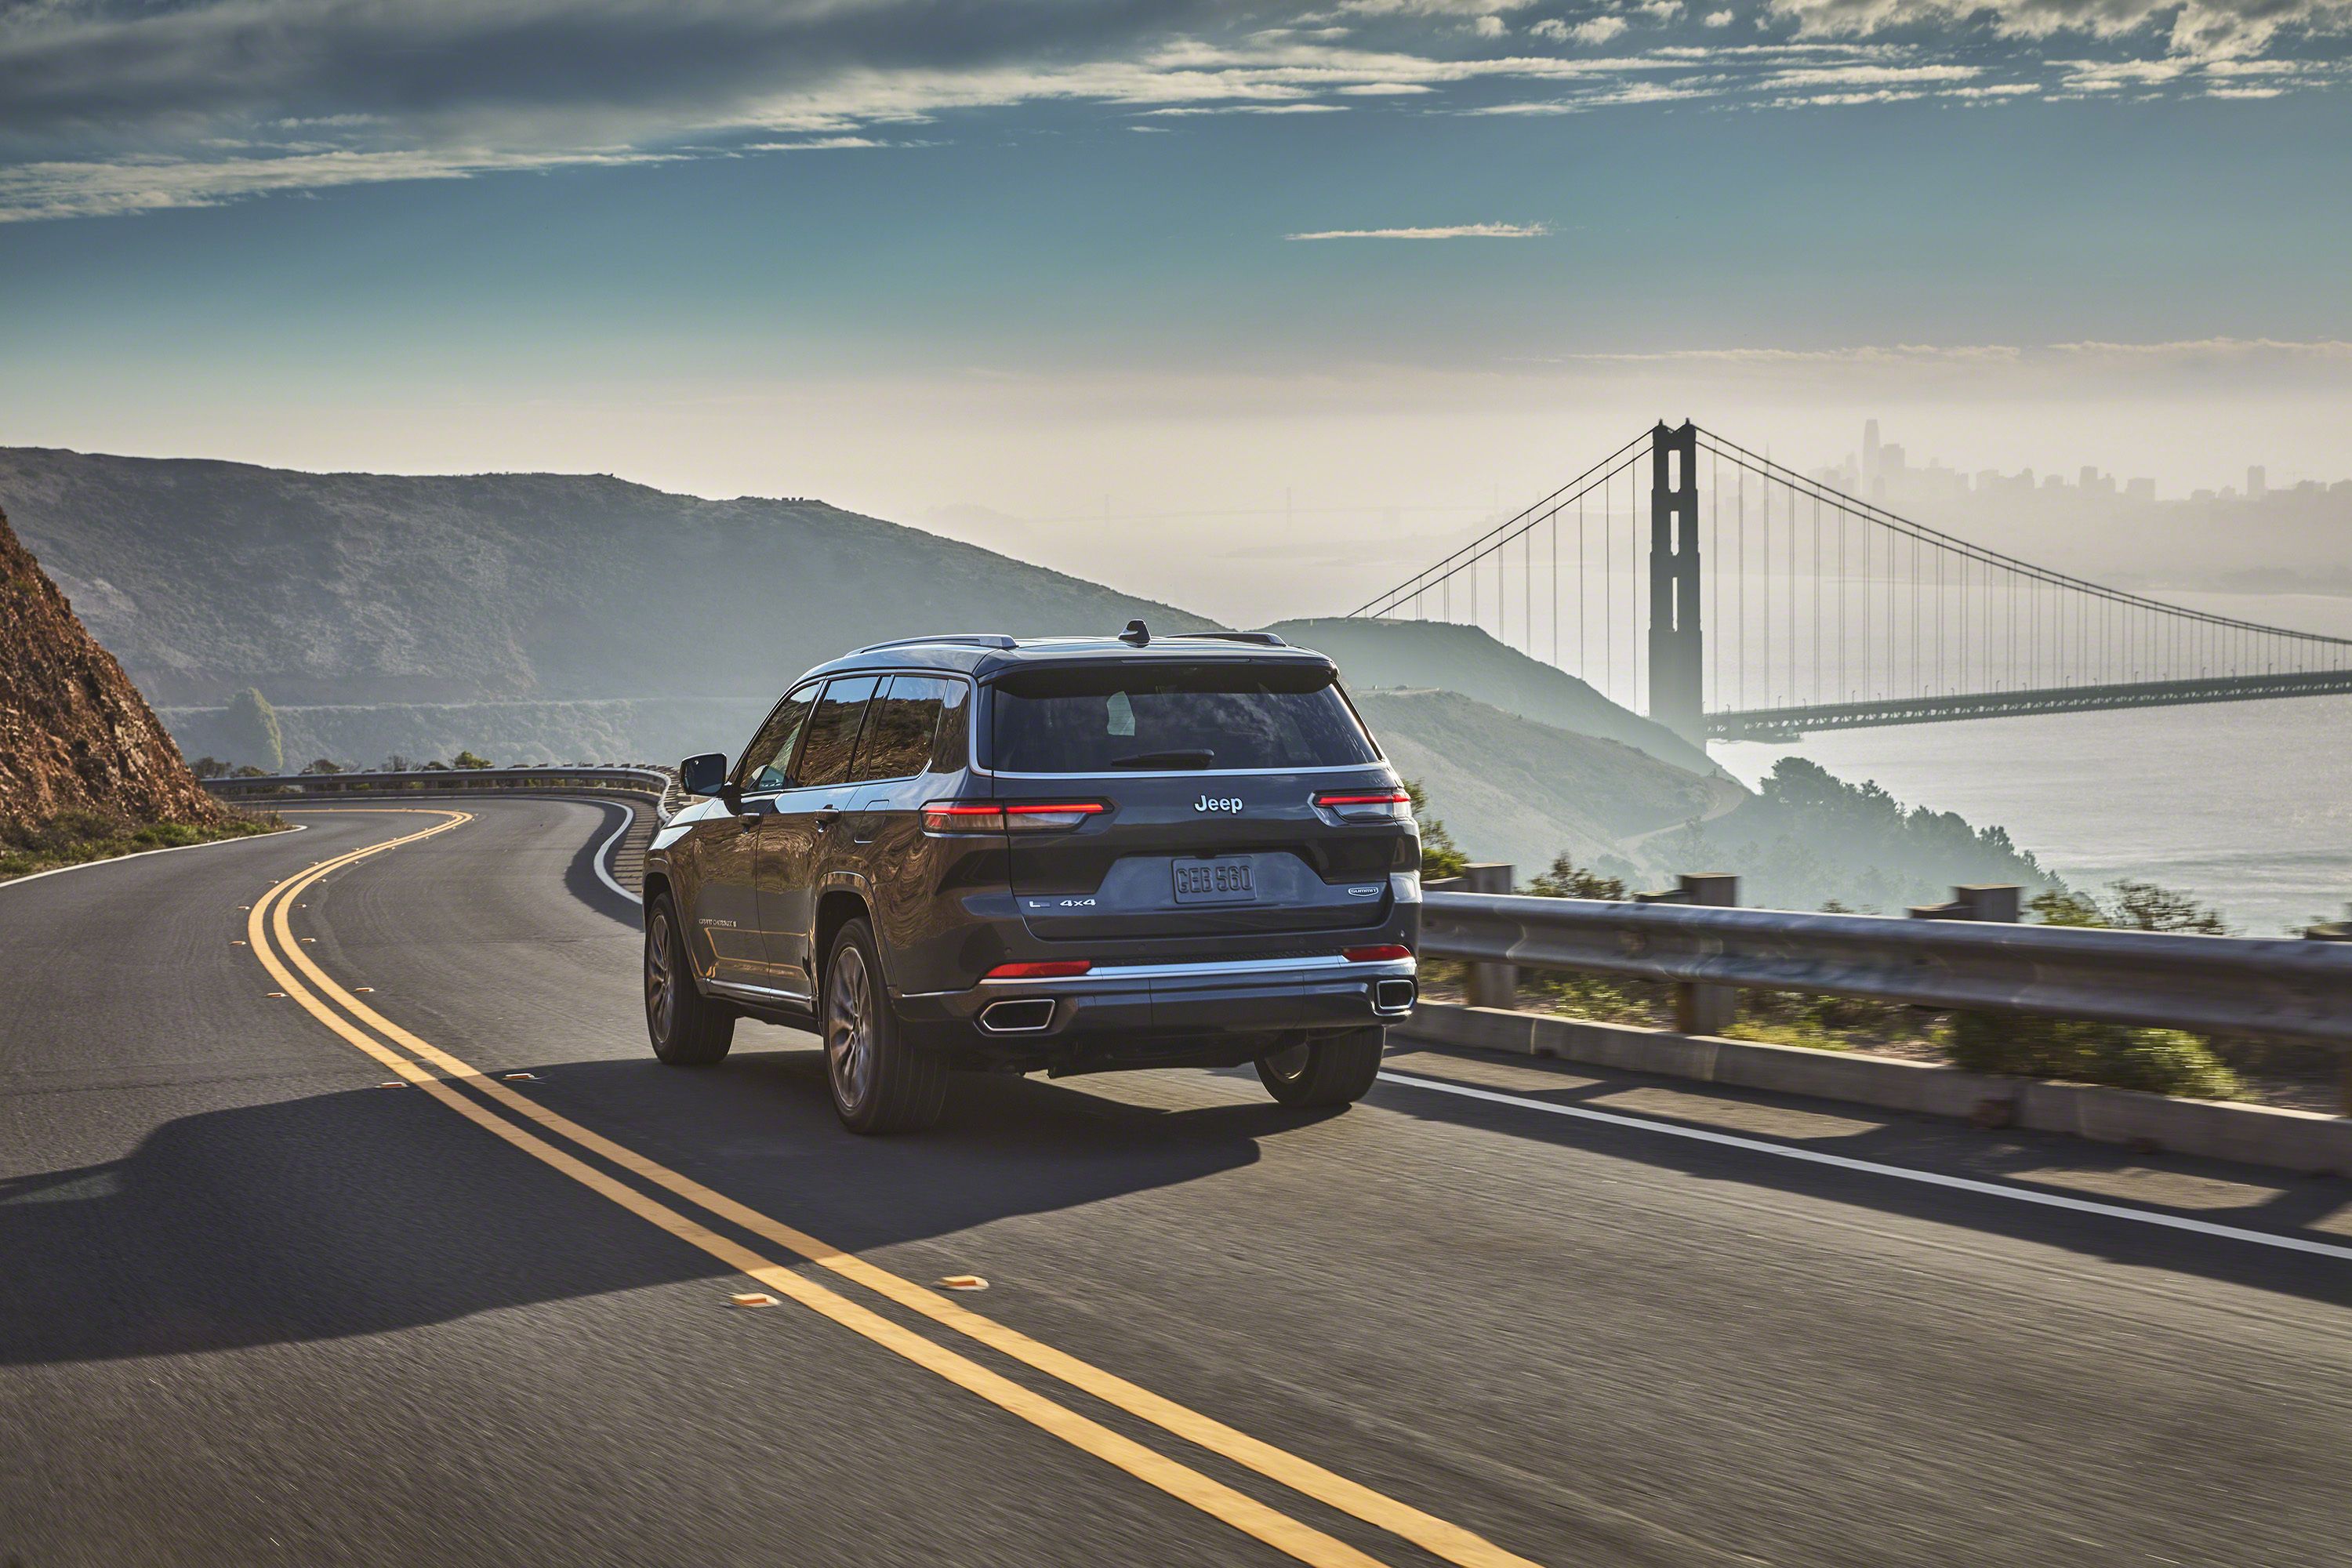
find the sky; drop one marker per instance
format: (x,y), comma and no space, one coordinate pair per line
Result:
(1237,305)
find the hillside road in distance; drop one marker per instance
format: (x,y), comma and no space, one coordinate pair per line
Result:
(256,1307)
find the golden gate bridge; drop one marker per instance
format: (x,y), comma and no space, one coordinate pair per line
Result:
(1763,604)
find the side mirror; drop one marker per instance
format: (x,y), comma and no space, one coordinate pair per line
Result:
(703,774)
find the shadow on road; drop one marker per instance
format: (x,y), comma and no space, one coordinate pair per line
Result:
(370,1210)
(2290,1203)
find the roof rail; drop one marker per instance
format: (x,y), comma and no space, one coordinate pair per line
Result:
(962,639)
(1263,639)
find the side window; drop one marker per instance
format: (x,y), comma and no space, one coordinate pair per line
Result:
(833,730)
(896,743)
(769,756)
(951,753)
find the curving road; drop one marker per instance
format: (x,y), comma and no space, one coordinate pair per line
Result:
(256,1308)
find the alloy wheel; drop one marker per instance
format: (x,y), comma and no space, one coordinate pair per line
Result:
(849,1025)
(661,975)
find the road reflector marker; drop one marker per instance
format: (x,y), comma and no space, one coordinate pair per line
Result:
(963,1282)
(520,1077)
(310,939)
(279,995)
(236,942)
(752,1299)
(363,987)
(395,1083)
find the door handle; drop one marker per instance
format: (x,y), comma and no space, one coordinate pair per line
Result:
(748,821)
(826,815)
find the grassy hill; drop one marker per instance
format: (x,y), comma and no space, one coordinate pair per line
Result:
(1511,789)
(205,578)
(1466,659)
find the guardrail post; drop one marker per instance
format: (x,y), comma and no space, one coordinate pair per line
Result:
(1491,985)
(1706,1009)
(2337,931)
(2000,902)
(1701,1009)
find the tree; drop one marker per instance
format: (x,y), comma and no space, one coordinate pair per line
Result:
(1440,855)
(2136,906)
(467,759)
(323,765)
(396,764)
(250,730)
(1566,880)
(248,771)
(208,767)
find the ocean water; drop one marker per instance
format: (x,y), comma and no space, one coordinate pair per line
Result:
(2246,804)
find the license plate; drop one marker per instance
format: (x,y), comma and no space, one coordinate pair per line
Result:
(1226,882)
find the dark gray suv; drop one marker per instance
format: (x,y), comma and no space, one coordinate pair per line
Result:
(1073,854)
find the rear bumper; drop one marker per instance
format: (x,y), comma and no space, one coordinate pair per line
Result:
(1176,1001)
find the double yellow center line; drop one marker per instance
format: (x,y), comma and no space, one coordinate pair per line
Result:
(442,1075)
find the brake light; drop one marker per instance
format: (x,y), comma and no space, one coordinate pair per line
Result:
(1008,816)
(1052,969)
(1365,804)
(1387,953)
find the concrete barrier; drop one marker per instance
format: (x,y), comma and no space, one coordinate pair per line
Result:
(2257,1135)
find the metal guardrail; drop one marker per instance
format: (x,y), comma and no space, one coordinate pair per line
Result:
(2286,987)
(659,782)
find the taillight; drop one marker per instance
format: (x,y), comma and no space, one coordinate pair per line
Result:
(1386,952)
(1052,969)
(1008,816)
(1366,805)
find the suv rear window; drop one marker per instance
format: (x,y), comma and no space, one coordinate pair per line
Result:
(1102,719)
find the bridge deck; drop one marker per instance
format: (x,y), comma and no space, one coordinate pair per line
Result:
(1787,723)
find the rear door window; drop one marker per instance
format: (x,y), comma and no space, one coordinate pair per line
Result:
(1137,717)
(897,740)
(832,731)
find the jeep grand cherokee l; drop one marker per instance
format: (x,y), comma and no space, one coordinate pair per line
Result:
(1073,854)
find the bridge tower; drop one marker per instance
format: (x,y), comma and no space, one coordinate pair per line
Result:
(1677,694)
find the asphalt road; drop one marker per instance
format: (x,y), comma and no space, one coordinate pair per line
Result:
(255,1308)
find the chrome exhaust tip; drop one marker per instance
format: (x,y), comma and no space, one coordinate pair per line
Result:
(1393,995)
(1024,1016)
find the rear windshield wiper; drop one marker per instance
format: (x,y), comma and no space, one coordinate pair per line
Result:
(1193,759)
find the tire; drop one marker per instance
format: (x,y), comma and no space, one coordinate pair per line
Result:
(1323,1069)
(880,1083)
(688,1028)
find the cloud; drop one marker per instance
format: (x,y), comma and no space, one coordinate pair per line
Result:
(1593,30)
(117,106)
(2196,29)
(1457,231)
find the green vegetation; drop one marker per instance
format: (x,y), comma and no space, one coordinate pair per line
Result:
(2161,1062)
(1439,857)
(1808,835)
(249,732)
(467,759)
(71,838)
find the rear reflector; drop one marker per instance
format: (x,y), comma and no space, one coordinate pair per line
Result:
(1387,953)
(1052,969)
(1002,817)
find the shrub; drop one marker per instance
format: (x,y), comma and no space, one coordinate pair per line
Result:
(467,759)
(250,728)
(2160,1061)
(1566,880)
(1440,855)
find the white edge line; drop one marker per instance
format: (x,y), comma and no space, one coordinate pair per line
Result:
(1872,1168)
(628,820)
(143,854)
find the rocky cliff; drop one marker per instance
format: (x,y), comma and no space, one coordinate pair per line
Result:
(75,735)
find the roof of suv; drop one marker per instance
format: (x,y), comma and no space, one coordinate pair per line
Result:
(982,653)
